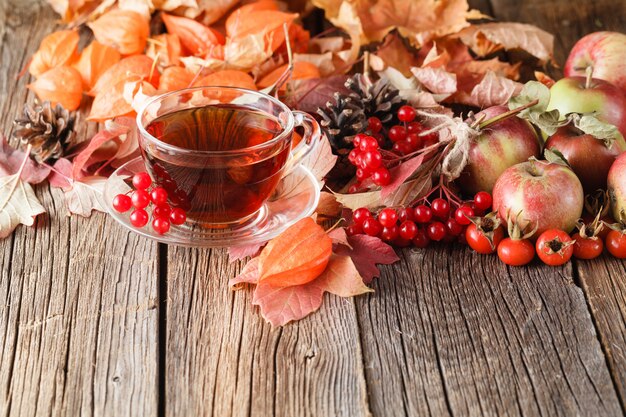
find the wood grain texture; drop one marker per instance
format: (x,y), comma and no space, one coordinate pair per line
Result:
(78,297)
(450,332)
(222,359)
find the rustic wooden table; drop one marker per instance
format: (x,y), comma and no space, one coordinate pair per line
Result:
(95,320)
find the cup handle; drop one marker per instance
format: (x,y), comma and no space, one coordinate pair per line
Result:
(310,140)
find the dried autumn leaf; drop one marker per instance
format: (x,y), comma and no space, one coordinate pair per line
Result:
(18,202)
(175,78)
(436,80)
(11,161)
(237,253)
(487,38)
(394,53)
(493,90)
(62,175)
(125,30)
(211,10)
(227,78)
(248,275)
(400,174)
(301,71)
(60,85)
(367,251)
(245,53)
(296,256)
(165,48)
(132,68)
(99,139)
(110,103)
(194,36)
(268,23)
(328,205)
(85,196)
(57,49)
(94,61)
(320,160)
(143,7)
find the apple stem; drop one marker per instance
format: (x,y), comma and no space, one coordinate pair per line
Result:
(506,115)
(589,75)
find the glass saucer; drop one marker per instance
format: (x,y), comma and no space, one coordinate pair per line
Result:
(296,196)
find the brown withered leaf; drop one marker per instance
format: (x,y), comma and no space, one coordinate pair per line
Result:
(395,53)
(493,90)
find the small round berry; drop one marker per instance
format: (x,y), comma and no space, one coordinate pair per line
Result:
(372,159)
(353,189)
(359,215)
(453,228)
(423,214)
(405,214)
(141,180)
(415,127)
(353,155)
(401,148)
(161,225)
(158,195)
(368,143)
(362,174)
(139,218)
(462,215)
(441,208)
(163,210)
(354,229)
(381,176)
(436,231)
(390,233)
(421,239)
(388,217)
(356,141)
(372,227)
(408,230)
(122,203)
(140,199)
(178,216)
(406,114)
(413,141)
(374,124)
(397,133)
(483,200)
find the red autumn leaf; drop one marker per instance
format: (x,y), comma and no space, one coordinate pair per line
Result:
(339,236)
(175,78)
(132,68)
(57,49)
(237,253)
(60,85)
(296,256)
(227,78)
(96,142)
(11,160)
(309,95)
(366,252)
(61,175)
(400,174)
(125,30)
(94,61)
(194,36)
(248,275)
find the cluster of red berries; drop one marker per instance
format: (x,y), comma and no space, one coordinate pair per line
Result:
(406,136)
(421,224)
(163,215)
(367,158)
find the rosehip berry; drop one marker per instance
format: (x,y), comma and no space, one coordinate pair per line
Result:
(141,180)
(408,230)
(359,215)
(413,141)
(368,143)
(390,233)
(483,200)
(158,195)
(406,114)
(122,203)
(162,210)
(354,229)
(423,214)
(161,225)
(415,127)
(381,176)
(139,218)
(140,199)
(372,159)
(441,208)
(178,216)
(462,214)
(436,231)
(388,217)
(372,227)
(405,214)
(374,124)
(421,239)
(453,228)
(397,133)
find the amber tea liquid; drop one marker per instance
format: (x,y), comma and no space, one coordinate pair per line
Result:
(218,189)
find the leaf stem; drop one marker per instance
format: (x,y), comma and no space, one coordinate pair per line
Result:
(506,115)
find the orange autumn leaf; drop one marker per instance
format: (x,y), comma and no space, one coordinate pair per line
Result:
(227,78)
(301,71)
(110,103)
(297,256)
(175,78)
(60,85)
(94,61)
(268,23)
(166,48)
(194,36)
(128,69)
(58,48)
(125,30)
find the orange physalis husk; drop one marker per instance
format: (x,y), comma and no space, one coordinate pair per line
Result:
(60,85)
(124,30)
(301,71)
(166,47)
(234,19)
(268,23)
(57,49)
(110,103)
(194,36)
(175,78)
(227,78)
(94,61)
(297,256)
(131,68)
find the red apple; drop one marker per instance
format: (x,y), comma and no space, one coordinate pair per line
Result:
(579,95)
(548,195)
(499,146)
(589,157)
(605,52)
(616,182)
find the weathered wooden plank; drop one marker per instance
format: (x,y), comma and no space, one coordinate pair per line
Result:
(222,359)
(452,332)
(78,297)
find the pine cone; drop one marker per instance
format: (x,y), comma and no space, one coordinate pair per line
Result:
(341,120)
(48,130)
(378,99)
